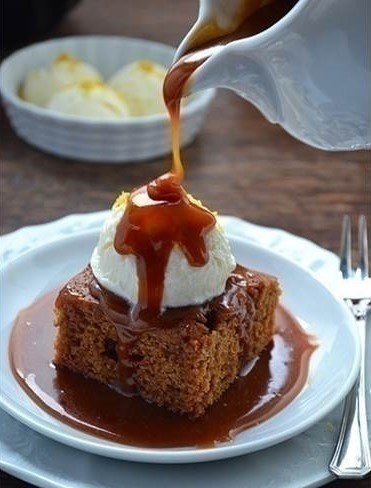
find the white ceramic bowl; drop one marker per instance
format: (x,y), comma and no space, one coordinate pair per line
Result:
(83,138)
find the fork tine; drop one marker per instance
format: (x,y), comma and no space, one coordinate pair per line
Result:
(346,248)
(362,246)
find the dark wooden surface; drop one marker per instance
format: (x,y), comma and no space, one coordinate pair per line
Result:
(240,164)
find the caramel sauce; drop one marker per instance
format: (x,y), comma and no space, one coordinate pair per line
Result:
(275,379)
(130,324)
(159,216)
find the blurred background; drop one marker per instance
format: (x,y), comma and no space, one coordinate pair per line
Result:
(26,21)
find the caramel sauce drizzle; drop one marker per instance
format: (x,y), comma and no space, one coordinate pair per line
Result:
(159,216)
(130,321)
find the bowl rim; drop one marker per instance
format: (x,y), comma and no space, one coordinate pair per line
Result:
(197,102)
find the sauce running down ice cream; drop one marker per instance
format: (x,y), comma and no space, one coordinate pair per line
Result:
(158,217)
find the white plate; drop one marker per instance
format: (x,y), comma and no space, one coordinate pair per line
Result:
(333,368)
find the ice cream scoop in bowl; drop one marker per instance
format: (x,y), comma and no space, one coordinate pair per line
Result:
(85,137)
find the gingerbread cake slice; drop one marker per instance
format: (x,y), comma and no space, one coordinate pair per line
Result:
(184,367)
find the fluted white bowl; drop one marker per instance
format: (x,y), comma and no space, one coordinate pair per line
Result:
(92,139)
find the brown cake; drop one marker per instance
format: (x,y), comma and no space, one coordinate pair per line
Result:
(188,360)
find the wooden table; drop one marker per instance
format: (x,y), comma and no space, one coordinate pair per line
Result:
(240,164)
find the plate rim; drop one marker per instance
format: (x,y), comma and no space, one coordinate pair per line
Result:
(114,450)
(11,464)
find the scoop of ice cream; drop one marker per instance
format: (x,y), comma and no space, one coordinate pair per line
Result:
(184,284)
(89,99)
(140,83)
(41,84)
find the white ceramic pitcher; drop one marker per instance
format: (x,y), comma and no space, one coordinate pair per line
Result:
(309,72)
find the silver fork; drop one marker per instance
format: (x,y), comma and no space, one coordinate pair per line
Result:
(352,458)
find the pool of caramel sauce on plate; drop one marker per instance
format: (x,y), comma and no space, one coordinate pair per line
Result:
(275,379)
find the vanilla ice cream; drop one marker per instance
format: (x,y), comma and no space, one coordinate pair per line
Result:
(184,284)
(89,99)
(41,84)
(140,83)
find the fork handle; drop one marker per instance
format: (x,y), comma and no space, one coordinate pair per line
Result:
(352,458)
